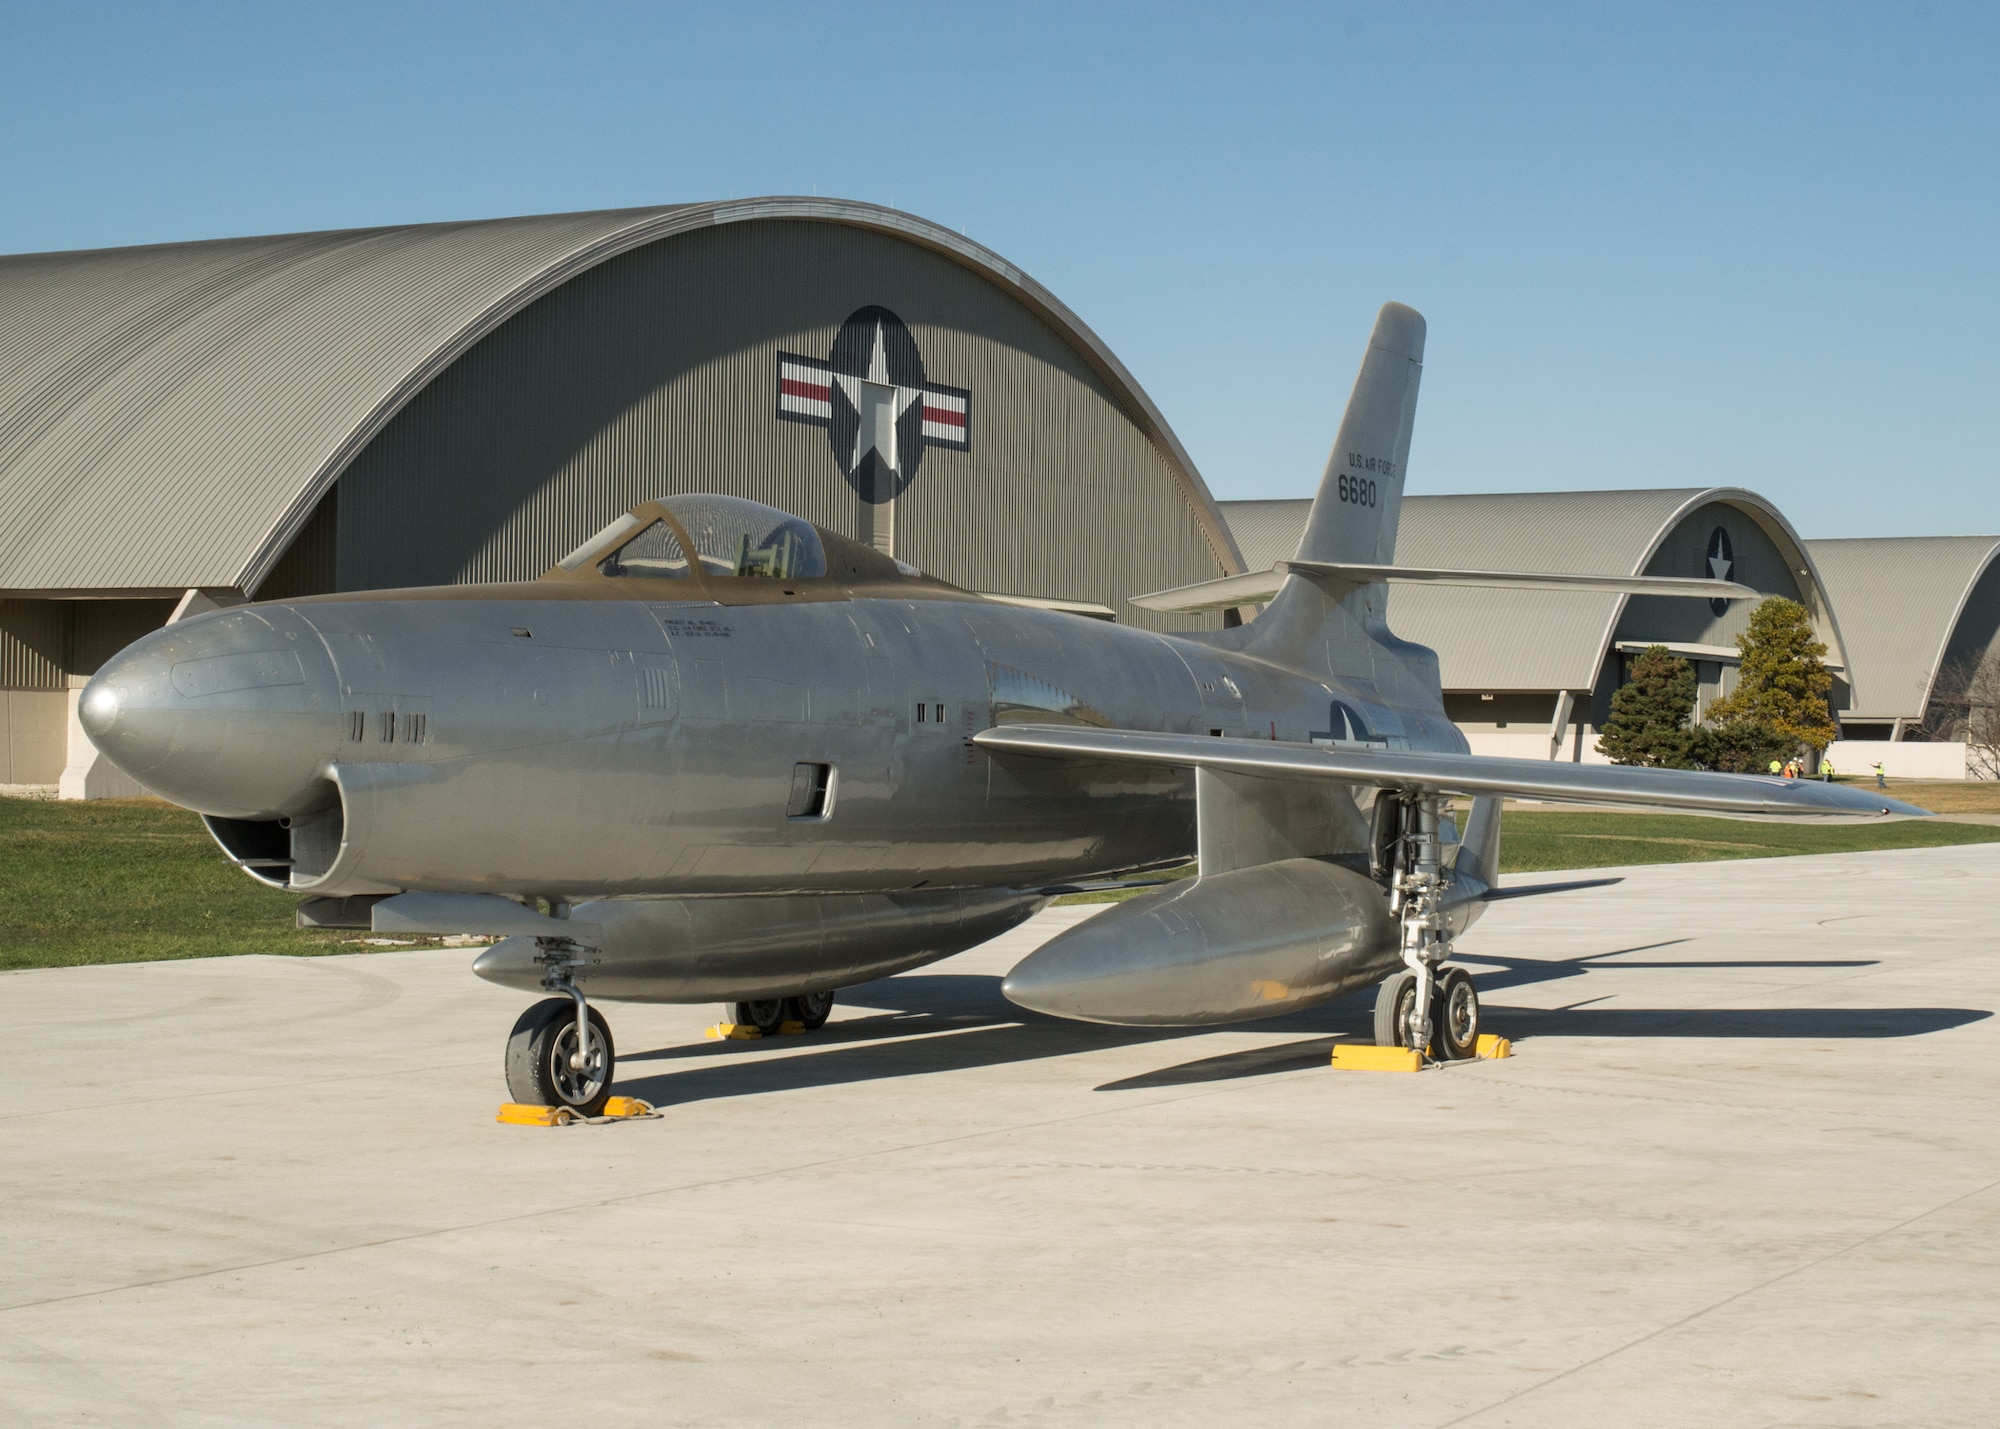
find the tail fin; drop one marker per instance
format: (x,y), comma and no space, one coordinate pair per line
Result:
(1361,494)
(1360,498)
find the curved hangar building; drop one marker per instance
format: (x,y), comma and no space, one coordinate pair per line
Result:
(265,417)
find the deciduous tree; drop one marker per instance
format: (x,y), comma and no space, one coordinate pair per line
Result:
(1965,705)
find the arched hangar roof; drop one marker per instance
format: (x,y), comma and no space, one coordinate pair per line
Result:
(1904,603)
(170,415)
(1531,640)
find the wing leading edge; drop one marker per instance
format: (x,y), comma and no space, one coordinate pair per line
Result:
(1260,586)
(1469,774)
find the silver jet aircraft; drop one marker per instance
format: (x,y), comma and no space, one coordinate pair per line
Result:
(717,754)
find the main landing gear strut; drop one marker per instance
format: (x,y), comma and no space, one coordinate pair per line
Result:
(560,1052)
(1427,1006)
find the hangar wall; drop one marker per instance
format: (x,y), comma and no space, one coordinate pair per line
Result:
(42,642)
(656,373)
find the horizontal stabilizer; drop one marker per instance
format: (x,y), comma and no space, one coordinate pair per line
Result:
(1260,586)
(1061,607)
(1467,774)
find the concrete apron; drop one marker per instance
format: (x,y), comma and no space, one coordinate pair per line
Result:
(1740,1171)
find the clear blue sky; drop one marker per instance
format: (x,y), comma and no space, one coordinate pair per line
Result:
(1731,244)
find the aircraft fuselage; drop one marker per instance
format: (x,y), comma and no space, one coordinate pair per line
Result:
(506,740)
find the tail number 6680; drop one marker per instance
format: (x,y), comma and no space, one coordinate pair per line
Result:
(1357,490)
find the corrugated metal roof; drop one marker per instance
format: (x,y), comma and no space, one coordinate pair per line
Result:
(1515,640)
(1899,598)
(170,415)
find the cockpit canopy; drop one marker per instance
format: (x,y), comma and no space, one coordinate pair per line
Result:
(729,536)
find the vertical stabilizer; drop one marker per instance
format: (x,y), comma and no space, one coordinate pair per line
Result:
(1361,495)
(1314,625)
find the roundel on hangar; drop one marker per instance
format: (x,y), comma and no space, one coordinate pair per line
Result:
(871,395)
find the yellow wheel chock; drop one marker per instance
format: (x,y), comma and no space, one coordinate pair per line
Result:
(732,1032)
(1353,1057)
(616,1109)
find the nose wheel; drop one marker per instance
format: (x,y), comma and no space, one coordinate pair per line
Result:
(560,1052)
(545,1066)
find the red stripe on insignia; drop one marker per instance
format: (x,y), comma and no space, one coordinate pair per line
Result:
(792,387)
(944,416)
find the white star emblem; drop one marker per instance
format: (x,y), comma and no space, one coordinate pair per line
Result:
(881,404)
(1718,567)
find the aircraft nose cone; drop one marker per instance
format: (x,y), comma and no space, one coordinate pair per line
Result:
(126,709)
(98,710)
(234,713)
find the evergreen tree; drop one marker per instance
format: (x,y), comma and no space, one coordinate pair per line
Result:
(1783,681)
(1650,713)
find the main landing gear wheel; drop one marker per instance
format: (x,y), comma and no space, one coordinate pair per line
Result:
(765,1014)
(1455,1017)
(1395,1001)
(1454,1014)
(543,1068)
(812,1009)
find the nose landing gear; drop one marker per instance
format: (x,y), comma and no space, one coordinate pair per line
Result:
(560,1052)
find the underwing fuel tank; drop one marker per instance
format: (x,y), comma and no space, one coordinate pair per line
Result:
(1252,942)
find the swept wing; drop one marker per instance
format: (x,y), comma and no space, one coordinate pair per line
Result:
(1466,774)
(1260,586)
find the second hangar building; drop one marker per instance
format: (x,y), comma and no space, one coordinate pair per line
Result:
(1531,674)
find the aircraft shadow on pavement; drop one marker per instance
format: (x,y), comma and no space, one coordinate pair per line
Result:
(1839,1023)
(944,1022)
(1522,972)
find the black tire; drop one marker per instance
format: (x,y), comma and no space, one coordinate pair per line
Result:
(1455,1016)
(764,1014)
(538,1052)
(812,1009)
(1394,1001)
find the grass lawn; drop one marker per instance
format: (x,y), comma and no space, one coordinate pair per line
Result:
(1973,796)
(133,880)
(130,880)
(1532,840)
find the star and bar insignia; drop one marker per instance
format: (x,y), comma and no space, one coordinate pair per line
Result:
(871,395)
